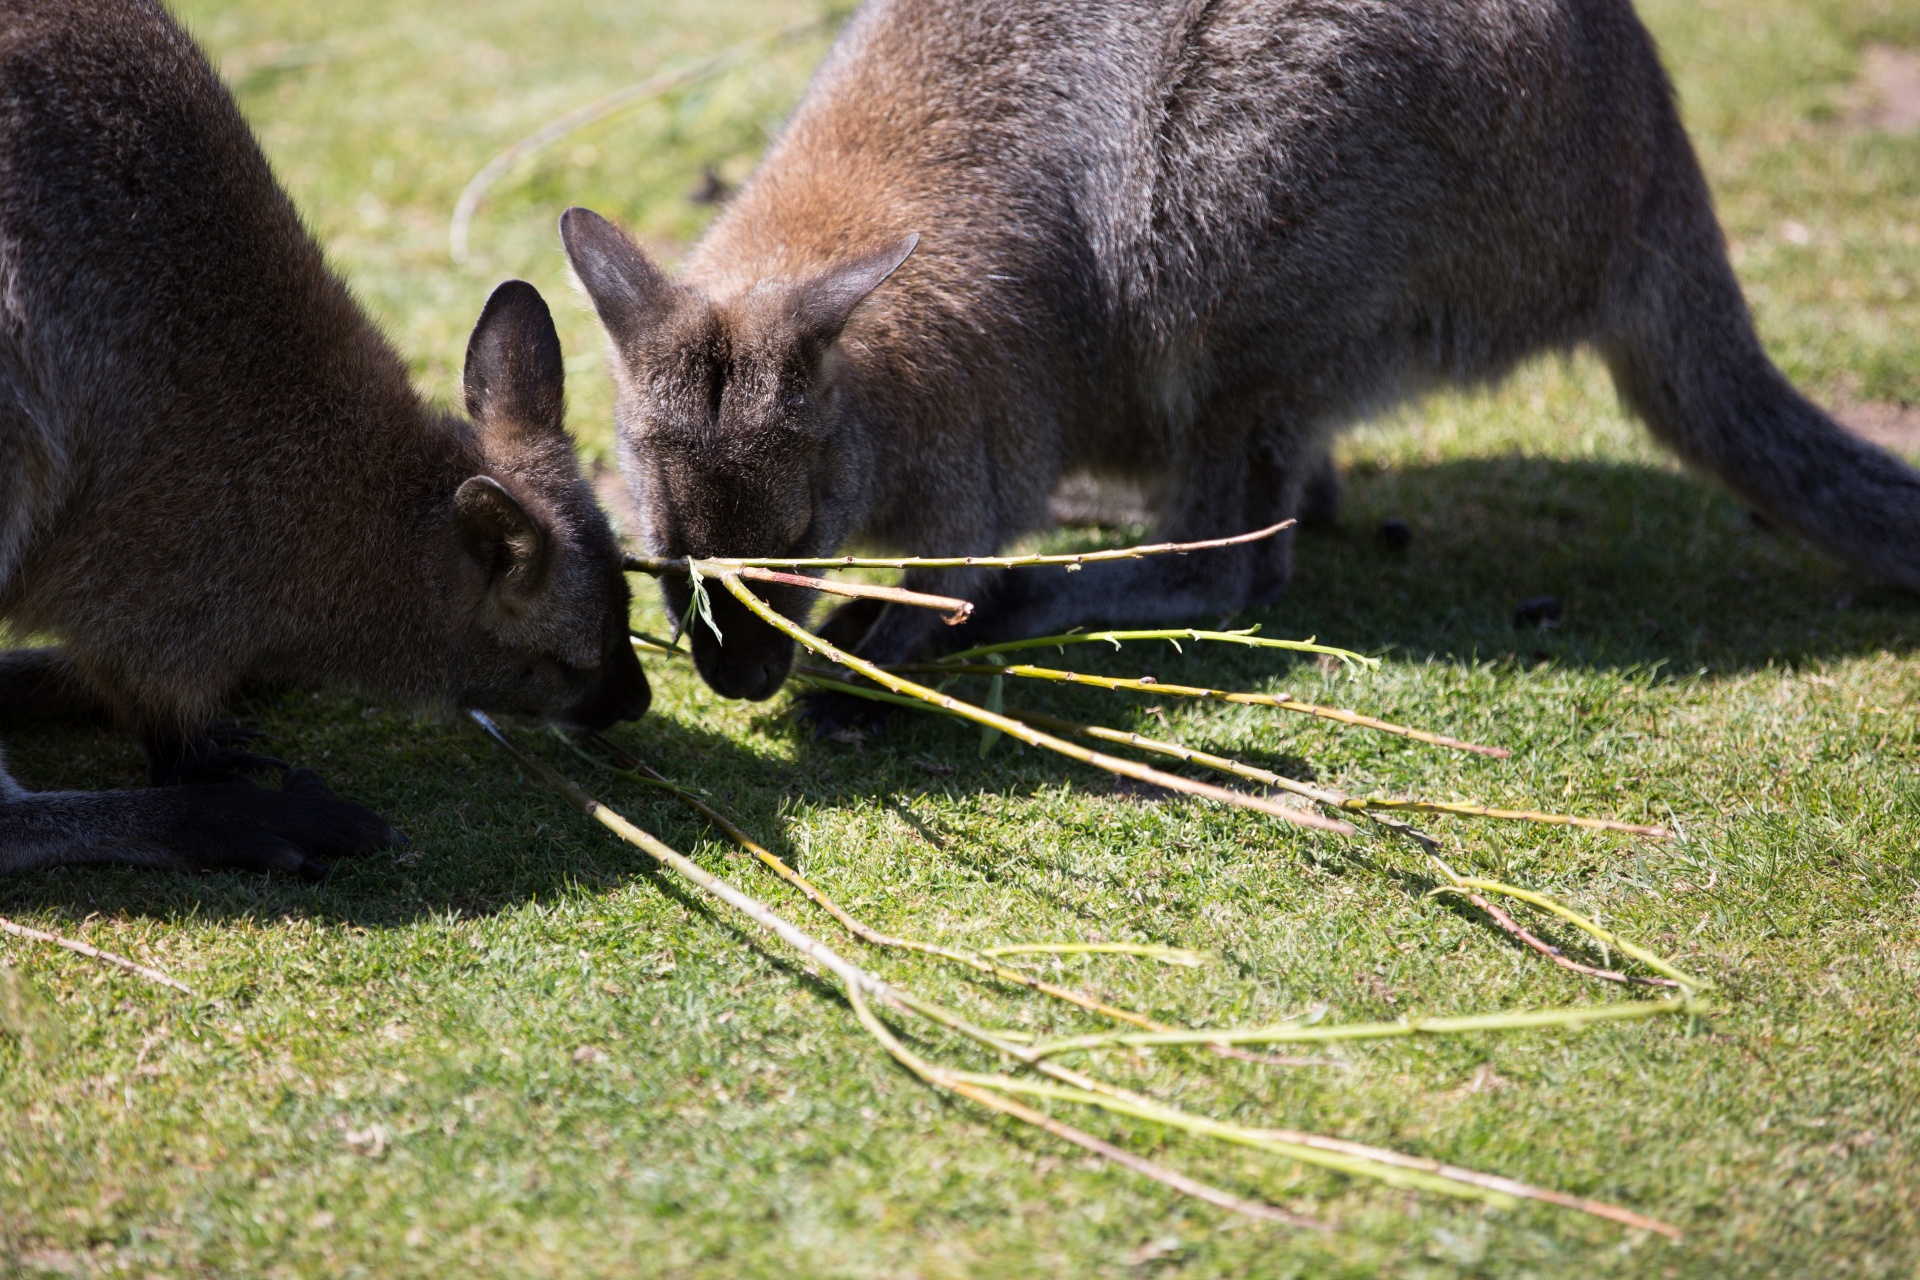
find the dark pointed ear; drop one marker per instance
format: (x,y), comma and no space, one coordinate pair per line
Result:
(627,290)
(515,378)
(825,302)
(494,529)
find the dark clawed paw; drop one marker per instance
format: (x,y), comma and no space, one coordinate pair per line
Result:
(831,714)
(296,830)
(210,757)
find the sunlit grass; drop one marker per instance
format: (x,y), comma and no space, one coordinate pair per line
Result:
(510,1050)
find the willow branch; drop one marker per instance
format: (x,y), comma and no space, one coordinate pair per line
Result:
(1173,636)
(1282,701)
(715,566)
(459,227)
(1020,732)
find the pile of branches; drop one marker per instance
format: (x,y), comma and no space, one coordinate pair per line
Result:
(1035,1072)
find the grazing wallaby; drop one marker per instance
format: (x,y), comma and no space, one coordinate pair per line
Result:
(213,470)
(1182,242)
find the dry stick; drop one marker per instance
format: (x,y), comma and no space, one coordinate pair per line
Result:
(715,566)
(1127,768)
(1575,1019)
(857,982)
(1320,795)
(1014,729)
(468,204)
(1284,702)
(1083,1088)
(1173,636)
(956,609)
(1553,953)
(979,961)
(1332,799)
(969,1085)
(858,928)
(94,953)
(1287,1141)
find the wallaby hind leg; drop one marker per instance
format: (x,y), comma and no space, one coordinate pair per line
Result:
(1683,353)
(236,825)
(39,686)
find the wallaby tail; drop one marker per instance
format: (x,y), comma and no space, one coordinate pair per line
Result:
(1684,356)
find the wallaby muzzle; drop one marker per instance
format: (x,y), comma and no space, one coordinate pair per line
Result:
(753,659)
(620,693)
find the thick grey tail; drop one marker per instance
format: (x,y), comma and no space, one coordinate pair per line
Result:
(1685,357)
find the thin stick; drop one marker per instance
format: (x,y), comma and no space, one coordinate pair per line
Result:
(468,204)
(1332,799)
(94,953)
(1172,635)
(956,609)
(1282,701)
(1578,921)
(853,978)
(1014,729)
(858,981)
(969,1085)
(1319,795)
(1553,953)
(1574,1019)
(715,566)
(858,928)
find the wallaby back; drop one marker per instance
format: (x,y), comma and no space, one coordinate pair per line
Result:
(1184,243)
(213,469)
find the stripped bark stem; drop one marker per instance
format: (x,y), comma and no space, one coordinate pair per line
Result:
(94,953)
(715,565)
(1014,729)
(1332,799)
(1574,1019)
(980,962)
(863,986)
(1173,636)
(956,610)
(1282,701)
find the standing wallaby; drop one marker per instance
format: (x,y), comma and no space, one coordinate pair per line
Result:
(1182,242)
(213,470)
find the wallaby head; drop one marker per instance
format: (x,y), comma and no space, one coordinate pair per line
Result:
(545,596)
(727,429)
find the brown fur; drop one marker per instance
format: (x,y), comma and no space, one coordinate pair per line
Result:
(214,472)
(1184,243)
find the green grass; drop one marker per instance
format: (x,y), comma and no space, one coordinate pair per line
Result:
(386,1077)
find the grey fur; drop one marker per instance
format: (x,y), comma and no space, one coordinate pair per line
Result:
(1184,243)
(214,473)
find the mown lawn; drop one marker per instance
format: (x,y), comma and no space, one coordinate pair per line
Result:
(512,1050)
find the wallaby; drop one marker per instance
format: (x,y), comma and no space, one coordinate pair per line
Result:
(1183,243)
(214,472)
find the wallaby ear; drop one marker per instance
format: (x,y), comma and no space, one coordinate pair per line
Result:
(515,378)
(627,290)
(497,532)
(825,302)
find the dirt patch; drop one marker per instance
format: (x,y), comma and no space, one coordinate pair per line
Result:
(1888,92)
(1889,425)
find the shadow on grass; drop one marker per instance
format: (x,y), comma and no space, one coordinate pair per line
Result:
(1651,567)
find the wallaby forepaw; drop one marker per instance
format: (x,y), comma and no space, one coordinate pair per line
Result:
(296,830)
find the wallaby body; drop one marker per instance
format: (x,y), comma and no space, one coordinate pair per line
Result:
(214,472)
(1182,242)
